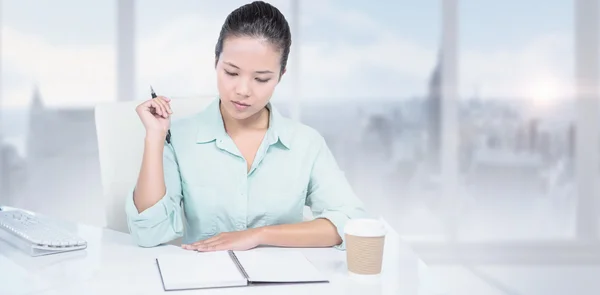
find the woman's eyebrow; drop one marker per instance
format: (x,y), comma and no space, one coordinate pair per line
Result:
(264,72)
(258,72)
(232,65)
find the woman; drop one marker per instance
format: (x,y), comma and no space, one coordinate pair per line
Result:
(238,171)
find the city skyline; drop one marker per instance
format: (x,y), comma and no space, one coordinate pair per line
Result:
(346,50)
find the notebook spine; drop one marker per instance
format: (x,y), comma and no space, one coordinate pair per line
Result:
(239,265)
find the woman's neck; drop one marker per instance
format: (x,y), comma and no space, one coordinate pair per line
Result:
(258,121)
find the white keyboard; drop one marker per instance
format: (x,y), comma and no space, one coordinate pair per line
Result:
(35,236)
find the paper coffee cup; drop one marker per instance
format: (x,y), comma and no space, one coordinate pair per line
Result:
(365,240)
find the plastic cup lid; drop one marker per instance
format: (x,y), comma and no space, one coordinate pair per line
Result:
(365,227)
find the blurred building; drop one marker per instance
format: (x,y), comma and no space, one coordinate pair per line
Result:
(434,108)
(571,138)
(12,172)
(533,142)
(60,132)
(61,150)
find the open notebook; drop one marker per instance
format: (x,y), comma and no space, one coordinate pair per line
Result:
(198,270)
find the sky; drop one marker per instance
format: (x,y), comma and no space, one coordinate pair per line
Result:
(346,49)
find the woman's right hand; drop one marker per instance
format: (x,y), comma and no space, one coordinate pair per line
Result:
(156,116)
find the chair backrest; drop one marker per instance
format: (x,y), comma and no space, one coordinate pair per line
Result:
(120,145)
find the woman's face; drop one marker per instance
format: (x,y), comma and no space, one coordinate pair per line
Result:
(247,72)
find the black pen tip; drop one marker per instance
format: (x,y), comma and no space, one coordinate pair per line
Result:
(151,89)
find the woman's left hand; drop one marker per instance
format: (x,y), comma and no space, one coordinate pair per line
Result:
(238,240)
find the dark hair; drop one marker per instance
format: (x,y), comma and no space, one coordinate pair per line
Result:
(261,20)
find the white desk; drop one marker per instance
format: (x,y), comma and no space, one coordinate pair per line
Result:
(113,264)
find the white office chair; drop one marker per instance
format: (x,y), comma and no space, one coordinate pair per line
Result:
(121,143)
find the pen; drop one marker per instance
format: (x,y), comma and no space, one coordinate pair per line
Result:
(168,131)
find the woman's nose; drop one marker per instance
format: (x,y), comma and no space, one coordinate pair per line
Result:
(243,88)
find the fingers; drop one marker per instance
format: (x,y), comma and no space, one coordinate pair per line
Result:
(161,106)
(166,103)
(211,240)
(215,243)
(194,245)
(155,108)
(216,246)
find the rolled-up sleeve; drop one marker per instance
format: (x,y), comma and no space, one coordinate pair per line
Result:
(330,196)
(162,222)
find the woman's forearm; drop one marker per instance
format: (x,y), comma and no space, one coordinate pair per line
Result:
(315,233)
(150,187)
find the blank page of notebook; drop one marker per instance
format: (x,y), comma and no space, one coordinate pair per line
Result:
(278,266)
(196,270)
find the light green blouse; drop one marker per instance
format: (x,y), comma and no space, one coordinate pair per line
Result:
(208,182)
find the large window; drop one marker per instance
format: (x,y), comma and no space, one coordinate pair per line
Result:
(55,67)
(366,74)
(519,132)
(517,121)
(469,125)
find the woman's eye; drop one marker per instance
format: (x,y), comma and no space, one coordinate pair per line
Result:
(262,81)
(230,73)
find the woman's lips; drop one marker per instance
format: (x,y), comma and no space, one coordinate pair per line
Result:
(240,106)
